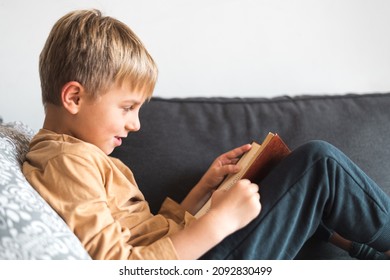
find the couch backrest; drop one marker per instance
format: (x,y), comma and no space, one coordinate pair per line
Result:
(179,138)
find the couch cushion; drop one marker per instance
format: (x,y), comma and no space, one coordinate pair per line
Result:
(29,228)
(179,138)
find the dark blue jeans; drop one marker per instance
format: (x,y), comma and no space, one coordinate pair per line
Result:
(315,184)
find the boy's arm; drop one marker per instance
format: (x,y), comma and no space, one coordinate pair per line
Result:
(223,165)
(230,210)
(74,188)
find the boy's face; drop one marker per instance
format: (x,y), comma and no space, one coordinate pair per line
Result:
(106,120)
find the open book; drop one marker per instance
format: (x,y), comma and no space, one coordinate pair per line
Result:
(255,164)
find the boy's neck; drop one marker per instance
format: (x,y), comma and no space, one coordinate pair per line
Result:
(55,119)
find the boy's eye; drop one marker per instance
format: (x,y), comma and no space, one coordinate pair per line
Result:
(127,109)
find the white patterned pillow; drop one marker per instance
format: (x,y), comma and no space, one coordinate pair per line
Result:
(29,227)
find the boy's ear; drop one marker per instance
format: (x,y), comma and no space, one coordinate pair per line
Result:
(70,96)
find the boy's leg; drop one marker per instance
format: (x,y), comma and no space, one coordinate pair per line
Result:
(316,183)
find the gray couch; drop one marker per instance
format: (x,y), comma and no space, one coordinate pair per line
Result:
(178,140)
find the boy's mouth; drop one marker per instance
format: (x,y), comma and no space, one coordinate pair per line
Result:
(118,141)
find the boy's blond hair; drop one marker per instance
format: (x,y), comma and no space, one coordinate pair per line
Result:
(97,52)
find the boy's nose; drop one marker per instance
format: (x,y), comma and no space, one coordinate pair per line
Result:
(133,125)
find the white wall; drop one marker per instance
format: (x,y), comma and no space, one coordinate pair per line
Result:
(216,47)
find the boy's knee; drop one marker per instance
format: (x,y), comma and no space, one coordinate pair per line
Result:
(319,149)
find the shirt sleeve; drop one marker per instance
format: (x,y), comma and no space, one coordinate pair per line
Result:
(79,196)
(172,210)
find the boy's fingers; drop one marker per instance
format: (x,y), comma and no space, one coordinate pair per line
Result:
(230,169)
(238,151)
(252,187)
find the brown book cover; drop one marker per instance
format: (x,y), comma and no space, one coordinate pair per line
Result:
(273,151)
(255,164)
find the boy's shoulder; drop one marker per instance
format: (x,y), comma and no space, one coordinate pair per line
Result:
(47,145)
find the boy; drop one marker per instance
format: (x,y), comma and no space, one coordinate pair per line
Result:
(95,76)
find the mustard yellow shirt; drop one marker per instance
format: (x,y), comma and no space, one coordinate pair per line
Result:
(98,198)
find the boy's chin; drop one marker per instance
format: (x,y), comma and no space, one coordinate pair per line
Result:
(108,152)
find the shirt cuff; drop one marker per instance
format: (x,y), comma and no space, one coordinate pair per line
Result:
(172,210)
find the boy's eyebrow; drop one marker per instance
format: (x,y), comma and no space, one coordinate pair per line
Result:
(134,101)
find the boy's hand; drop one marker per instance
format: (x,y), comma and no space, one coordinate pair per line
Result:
(230,210)
(223,165)
(236,207)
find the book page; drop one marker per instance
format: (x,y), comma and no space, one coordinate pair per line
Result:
(244,162)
